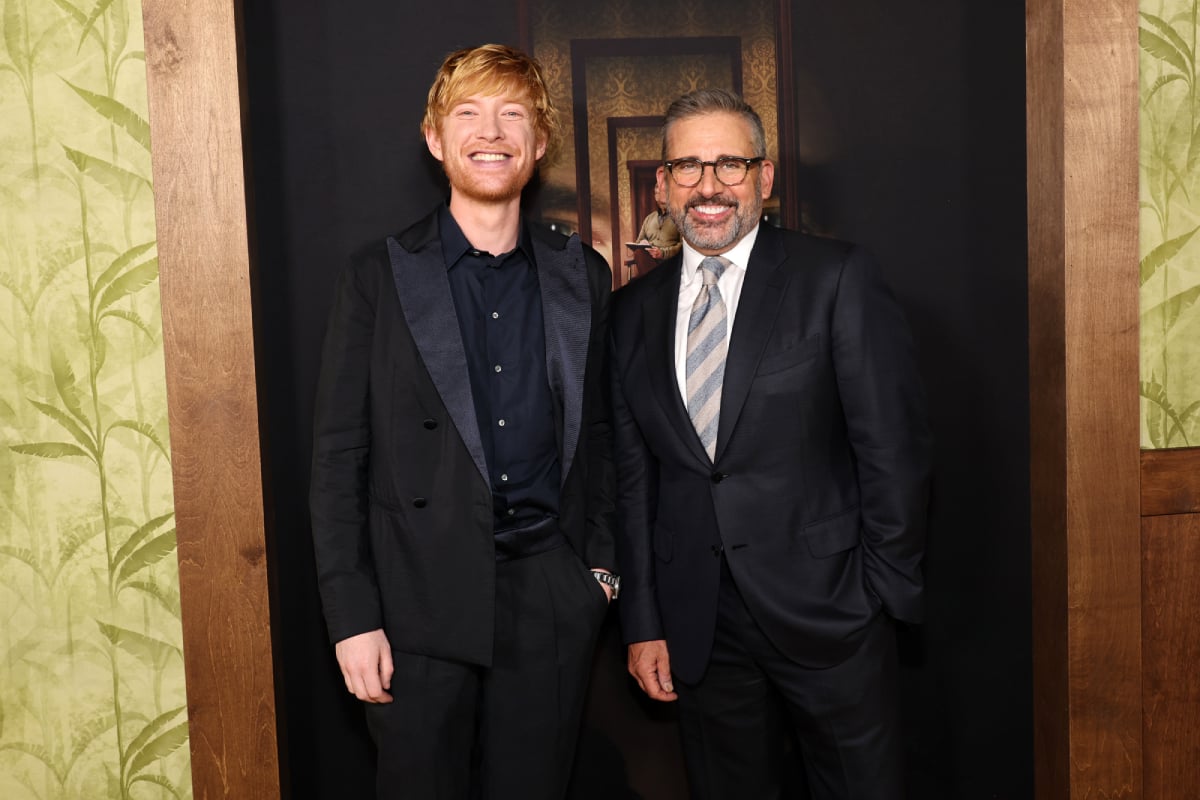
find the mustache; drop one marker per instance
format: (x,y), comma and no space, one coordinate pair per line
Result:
(715,200)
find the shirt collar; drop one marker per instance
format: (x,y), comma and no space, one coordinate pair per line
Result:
(738,256)
(455,244)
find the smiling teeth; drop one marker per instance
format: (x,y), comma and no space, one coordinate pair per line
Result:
(488,157)
(710,209)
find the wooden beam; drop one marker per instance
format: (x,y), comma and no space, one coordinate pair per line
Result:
(1082,103)
(196,113)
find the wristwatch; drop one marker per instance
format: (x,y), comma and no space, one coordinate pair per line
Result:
(610,580)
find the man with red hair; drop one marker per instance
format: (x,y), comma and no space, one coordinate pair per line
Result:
(462,474)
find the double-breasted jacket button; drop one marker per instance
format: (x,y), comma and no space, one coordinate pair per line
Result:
(430,424)
(419,502)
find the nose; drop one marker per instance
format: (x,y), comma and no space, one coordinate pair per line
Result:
(709,185)
(489,127)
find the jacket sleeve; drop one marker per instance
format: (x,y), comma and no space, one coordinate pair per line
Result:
(341,449)
(599,548)
(637,485)
(884,406)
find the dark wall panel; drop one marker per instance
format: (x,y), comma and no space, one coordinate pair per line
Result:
(912,138)
(911,141)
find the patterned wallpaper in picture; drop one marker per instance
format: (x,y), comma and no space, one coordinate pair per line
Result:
(91,672)
(634,86)
(1170,219)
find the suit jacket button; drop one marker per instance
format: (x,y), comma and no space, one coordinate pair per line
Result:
(717,477)
(716,550)
(430,424)
(419,502)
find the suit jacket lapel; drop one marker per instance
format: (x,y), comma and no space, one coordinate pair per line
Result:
(419,272)
(659,311)
(567,319)
(762,292)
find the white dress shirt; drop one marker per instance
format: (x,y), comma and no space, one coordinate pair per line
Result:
(690,283)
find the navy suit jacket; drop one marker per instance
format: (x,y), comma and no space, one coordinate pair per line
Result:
(818,492)
(400,496)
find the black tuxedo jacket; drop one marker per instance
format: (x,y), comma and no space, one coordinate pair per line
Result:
(818,493)
(400,496)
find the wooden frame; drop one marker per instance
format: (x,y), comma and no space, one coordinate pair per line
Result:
(1082,118)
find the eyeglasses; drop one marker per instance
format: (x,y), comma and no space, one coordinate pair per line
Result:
(729,170)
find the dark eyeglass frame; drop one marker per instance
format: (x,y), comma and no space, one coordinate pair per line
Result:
(746,162)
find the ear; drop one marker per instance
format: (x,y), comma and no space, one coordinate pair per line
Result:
(433,140)
(542,142)
(660,185)
(768,178)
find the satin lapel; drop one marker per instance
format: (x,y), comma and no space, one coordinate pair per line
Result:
(567,318)
(659,312)
(424,293)
(762,292)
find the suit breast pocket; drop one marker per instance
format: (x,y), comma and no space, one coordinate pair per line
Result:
(791,352)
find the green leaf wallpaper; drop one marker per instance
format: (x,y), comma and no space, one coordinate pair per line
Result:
(1170,217)
(91,670)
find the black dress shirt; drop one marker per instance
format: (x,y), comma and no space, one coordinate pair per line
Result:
(499,308)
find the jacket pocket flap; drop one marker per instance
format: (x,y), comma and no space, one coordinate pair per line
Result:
(834,534)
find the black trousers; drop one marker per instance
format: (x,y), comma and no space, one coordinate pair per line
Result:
(457,731)
(845,717)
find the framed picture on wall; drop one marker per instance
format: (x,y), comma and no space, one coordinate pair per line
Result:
(613,67)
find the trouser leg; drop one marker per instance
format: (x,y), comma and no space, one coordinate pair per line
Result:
(847,720)
(424,737)
(549,610)
(845,717)
(730,724)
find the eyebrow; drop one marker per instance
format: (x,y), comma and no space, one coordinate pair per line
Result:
(718,158)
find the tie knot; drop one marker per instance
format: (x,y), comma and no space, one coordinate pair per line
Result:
(711,269)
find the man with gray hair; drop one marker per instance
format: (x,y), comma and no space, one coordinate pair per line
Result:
(773,463)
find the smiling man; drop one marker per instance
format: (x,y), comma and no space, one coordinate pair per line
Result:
(462,482)
(773,464)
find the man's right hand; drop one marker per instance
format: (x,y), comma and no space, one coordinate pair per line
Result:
(366,663)
(650,664)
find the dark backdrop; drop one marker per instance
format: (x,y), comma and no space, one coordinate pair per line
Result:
(911,141)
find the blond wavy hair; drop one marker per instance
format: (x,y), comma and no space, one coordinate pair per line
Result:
(490,70)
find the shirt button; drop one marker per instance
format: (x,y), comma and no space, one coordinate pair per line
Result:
(495,315)
(498,368)
(501,423)
(512,511)
(504,477)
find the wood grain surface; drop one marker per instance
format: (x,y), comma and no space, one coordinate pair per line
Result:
(1170,654)
(1171,481)
(192,63)
(1082,103)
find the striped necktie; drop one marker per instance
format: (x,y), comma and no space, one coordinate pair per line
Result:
(706,346)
